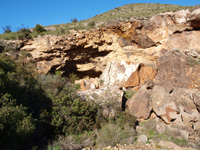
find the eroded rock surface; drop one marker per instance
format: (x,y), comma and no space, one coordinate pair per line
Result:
(177,70)
(87,53)
(174,96)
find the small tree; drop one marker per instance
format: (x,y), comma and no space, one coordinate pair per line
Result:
(39,28)
(74,20)
(24,33)
(7,29)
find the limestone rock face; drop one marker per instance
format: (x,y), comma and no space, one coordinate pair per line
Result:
(116,73)
(176,107)
(141,104)
(195,19)
(141,75)
(174,96)
(178,70)
(87,53)
(163,104)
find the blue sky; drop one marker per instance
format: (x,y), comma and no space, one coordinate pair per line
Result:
(48,12)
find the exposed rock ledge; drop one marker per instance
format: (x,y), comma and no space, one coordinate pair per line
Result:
(142,41)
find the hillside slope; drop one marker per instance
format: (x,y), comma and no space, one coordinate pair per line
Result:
(128,12)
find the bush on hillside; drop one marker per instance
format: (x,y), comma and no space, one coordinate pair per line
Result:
(16,124)
(73,77)
(39,28)
(74,20)
(91,24)
(24,34)
(71,114)
(112,134)
(128,93)
(23,105)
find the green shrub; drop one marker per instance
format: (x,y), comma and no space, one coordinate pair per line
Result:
(24,34)
(73,142)
(128,93)
(15,123)
(58,72)
(24,30)
(22,105)
(74,20)
(180,142)
(39,28)
(191,61)
(60,31)
(70,114)
(113,134)
(101,82)
(52,84)
(125,118)
(91,24)
(73,77)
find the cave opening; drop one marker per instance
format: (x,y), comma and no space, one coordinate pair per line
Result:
(82,56)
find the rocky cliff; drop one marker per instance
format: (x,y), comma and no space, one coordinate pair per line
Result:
(141,41)
(158,58)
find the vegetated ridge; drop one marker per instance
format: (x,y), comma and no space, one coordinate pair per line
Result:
(128,12)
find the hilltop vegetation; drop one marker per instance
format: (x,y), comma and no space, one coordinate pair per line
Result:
(123,13)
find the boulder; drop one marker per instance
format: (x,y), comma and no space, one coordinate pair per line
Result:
(177,106)
(164,104)
(174,68)
(146,72)
(133,80)
(181,17)
(140,104)
(141,75)
(123,42)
